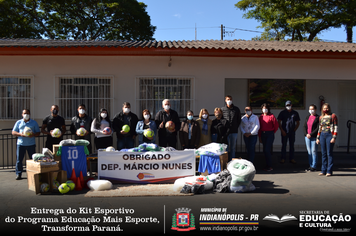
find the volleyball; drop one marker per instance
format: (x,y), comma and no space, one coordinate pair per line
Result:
(110,149)
(107,130)
(170,126)
(44,187)
(126,128)
(148,133)
(27,131)
(56,133)
(81,131)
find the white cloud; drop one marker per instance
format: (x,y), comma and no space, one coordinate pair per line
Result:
(177,15)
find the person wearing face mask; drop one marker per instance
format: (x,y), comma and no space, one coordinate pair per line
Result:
(205,127)
(220,127)
(288,120)
(249,128)
(24,143)
(102,138)
(268,127)
(189,134)
(232,114)
(50,123)
(327,133)
(146,123)
(125,117)
(310,129)
(167,138)
(82,120)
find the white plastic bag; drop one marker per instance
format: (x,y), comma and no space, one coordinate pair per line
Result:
(212,148)
(99,185)
(242,173)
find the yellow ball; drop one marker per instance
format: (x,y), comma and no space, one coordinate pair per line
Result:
(71,184)
(126,128)
(63,188)
(148,133)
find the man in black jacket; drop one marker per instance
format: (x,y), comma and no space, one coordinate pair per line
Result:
(233,115)
(125,117)
(167,138)
(82,120)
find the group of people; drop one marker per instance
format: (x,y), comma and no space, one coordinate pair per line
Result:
(191,133)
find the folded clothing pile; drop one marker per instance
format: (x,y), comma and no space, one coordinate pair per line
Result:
(146,147)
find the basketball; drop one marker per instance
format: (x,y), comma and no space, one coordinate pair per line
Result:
(148,133)
(56,133)
(126,128)
(170,126)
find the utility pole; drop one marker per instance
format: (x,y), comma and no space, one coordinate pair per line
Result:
(222,31)
(195,31)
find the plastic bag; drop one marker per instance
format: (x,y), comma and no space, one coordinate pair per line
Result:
(212,149)
(242,173)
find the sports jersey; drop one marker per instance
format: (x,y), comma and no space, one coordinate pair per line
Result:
(74,157)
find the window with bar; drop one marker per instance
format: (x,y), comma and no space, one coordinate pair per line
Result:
(15,95)
(153,90)
(95,92)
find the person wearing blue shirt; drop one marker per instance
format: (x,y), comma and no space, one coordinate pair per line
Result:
(24,143)
(142,125)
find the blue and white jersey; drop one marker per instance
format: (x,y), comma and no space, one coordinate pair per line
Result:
(74,157)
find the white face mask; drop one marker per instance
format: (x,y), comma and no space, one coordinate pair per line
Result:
(229,102)
(190,117)
(26,116)
(167,107)
(146,117)
(311,112)
(81,111)
(248,113)
(127,110)
(288,107)
(265,111)
(204,116)
(103,115)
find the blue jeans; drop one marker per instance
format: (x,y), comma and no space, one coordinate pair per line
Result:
(232,142)
(267,141)
(125,142)
(312,149)
(20,154)
(291,138)
(250,143)
(327,161)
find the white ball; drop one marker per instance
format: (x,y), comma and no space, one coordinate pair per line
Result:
(81,132)
(110,149)
(27,131)
(56,133)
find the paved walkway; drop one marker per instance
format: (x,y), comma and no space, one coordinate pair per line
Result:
(288,189)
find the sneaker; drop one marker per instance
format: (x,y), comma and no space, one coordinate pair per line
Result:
(268,169)
(293,161)
(308,169)
(312,169)
(18,177)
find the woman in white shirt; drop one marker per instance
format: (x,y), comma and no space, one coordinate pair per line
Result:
(103,136)
(249,128)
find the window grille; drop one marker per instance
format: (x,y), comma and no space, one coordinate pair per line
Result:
(15,95)
(95,92)
(153,90)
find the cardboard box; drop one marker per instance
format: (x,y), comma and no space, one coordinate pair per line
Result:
(223,162)
(35,180)
(55,149)
(42,167)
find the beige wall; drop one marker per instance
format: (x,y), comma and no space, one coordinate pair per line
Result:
(214,77)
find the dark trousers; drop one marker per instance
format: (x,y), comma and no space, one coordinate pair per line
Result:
(168,141)
(291,138)
(104,142)
(250,143)
(267,140)
(20,154)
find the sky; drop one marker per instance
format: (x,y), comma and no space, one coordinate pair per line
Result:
(202,20)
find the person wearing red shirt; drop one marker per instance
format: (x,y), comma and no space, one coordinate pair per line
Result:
(268,127)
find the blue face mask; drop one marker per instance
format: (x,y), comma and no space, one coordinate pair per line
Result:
(190,117)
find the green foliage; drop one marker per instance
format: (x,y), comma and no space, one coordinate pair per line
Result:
(300,20)
(75,19)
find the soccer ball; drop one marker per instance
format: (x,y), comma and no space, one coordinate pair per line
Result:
(56,133)
(71,184)
(81,132)
(110,149)
(148,133)
(44,187)
(63,188)
(27,131)
(170,126)
(126,128)
(107,130)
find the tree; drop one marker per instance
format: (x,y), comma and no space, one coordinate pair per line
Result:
(76,19)
(300,20)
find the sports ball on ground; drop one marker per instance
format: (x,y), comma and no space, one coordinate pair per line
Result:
(44,187)
(81,131)
(110,149)
(63,188)
(107,130)
(170,126)
(126,128)
(56,133)
(27,131)
(148,133)
(71,184)
(55,184)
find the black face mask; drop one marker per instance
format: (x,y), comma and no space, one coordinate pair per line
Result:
(55,112)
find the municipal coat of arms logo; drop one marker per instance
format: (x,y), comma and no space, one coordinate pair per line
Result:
(183,220)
